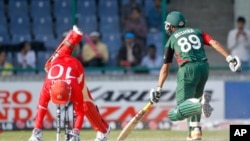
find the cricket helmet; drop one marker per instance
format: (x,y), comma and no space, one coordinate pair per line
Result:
(60,92)
(175,19)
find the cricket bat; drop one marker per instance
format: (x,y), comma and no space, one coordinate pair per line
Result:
(133,122)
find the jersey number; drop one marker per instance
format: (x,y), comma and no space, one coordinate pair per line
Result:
(60,72)
(187,43)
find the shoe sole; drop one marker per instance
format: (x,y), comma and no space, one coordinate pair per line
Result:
(206,98)
(207,110)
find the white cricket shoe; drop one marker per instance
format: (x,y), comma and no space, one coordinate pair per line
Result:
(196,134)
(74,135)
(206,107)
(102,136)
(36,135)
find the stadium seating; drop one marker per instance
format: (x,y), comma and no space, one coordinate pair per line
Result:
(148,4)
(17,8)
(49,41)
(18,38)
(86,8)
(4,38)
(63,8)
(109,24)
(156,39)
(20,25)
(40,8)
(42,25)
(126,1)
(42,56)
(108,8)
(63,24)
(113,42)
(3,26)
(87,23)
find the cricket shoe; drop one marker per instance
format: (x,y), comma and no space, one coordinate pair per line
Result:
(67,46)
(36,135)
(206,107)
(195,134)
(74,135)
(102,136)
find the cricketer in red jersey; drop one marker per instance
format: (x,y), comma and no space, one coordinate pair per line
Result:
(64,82)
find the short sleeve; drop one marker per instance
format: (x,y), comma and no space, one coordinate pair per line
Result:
(206,38)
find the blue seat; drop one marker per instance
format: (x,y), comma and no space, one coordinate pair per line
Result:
(18,38)
(49,41)
(4,38)
(126,1)
(42,25)
(86,8)
(42,57)
(148,5)
(87,24)
(112,40)
(17,8)
(63,8)
(40,8)
(3,26)
(157,39)
(63,24)
(109,24)
(20,25)
(108,8)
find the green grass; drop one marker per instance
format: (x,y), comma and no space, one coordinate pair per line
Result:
(136,135)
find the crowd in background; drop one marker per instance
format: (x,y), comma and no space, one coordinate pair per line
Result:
(136,22)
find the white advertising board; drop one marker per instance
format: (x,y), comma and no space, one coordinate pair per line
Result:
(117,100)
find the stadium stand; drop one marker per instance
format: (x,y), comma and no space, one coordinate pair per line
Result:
(108,8)
(18,38)
(86,8)
(63,8)
(17,8)
(40,8)
(157,39)
(20,25)
(109,24)
(42,25)
(87,23)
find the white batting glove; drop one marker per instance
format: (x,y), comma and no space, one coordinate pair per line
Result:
(234,63)
(155,95)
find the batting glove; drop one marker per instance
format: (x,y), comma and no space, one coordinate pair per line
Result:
(234,63)
(155,95)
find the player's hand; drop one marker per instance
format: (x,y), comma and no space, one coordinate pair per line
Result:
(155,95)
(234,63)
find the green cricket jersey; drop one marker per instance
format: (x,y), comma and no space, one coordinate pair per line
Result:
(187,45)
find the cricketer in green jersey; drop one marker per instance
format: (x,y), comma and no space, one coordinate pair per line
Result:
(187,45)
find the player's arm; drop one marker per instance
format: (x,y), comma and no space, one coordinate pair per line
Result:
(234,62)
(168,57)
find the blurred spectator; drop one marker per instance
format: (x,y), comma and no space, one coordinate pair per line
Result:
(238,41)
(130,53)
(127,8)
(94,51)
(152,60)
(138,26)
(26,58)
(154,17)
(5,65)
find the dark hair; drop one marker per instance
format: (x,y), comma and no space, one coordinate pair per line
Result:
(152,46)
(135,9)
(241,19)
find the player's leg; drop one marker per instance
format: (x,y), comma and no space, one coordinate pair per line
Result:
(92,113)
(194,124)
(67,46)
(77,101)
(187,105)
(41,112)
